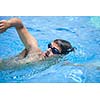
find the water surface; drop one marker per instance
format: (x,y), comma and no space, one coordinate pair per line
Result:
(83,66)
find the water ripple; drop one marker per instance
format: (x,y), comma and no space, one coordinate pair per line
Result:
(65,29)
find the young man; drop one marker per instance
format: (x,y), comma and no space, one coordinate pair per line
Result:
(32,51)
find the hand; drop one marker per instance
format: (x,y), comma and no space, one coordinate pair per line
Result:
(4,25)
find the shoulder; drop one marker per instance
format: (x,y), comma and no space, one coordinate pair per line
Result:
(32,57)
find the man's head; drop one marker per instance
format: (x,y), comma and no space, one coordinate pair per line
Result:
(57,47)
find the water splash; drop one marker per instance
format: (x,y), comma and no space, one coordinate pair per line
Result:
(76,75)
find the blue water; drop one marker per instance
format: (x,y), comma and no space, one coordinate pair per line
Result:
(83,66)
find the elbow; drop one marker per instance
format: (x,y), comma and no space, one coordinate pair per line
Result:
(19,24)
(16,22)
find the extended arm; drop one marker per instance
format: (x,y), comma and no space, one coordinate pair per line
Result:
(29,41)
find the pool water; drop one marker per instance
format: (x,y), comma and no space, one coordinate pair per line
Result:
(83,66)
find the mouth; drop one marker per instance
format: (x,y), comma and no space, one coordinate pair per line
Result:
(46,54)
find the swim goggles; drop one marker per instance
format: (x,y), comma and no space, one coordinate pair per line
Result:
(54,50)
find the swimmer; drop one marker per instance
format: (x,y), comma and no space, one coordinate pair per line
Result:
(32,50)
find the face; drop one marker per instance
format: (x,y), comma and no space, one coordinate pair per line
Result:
(53,49)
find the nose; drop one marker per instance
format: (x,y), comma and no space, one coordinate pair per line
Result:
(49,49)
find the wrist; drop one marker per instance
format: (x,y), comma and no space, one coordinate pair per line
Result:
(9,24)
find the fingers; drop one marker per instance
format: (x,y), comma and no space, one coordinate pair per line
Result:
(2,21)
(1,24)
(1,27)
